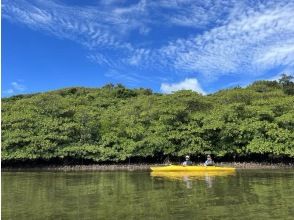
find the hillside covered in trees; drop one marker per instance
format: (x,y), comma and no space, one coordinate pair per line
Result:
(117,124)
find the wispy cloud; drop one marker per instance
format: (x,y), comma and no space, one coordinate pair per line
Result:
(8,92)
(277,54)
(89,26)
(239,46)
(210,38)
(130,78)
(200,14)
(187,84)
(18,87)
(139,56)
(15,87)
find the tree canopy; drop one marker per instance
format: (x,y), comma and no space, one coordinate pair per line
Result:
(114,123)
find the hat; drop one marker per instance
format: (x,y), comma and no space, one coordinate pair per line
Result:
(187,156)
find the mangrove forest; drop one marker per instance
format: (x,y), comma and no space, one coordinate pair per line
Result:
(117,124)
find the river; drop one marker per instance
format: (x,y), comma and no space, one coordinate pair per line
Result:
(246,194)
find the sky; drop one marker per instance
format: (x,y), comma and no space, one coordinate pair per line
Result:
(165,45)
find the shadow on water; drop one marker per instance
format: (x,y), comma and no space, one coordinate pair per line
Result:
(254,194)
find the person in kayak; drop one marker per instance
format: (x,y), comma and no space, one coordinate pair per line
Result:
(209,161)
(187,162)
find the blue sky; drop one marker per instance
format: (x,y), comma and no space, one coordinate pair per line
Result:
(165,45)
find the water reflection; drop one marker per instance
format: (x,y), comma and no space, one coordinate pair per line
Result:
(188,177)
(253,194)
(209,181)
(188,182)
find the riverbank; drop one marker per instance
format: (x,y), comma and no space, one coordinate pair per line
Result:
(142,167)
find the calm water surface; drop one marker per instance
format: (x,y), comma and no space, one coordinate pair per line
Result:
(255,194)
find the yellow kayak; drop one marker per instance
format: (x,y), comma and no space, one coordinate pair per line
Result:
(176,168)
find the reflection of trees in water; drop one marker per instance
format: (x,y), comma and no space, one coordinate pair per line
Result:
(133,195)
(246,193)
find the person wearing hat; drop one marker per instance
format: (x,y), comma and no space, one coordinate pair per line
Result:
(209,161)
(187,162)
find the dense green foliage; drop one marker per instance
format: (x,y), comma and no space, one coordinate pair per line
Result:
(114,123)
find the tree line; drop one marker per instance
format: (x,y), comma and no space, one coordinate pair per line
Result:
(116,124)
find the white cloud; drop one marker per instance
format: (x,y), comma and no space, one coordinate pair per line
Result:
(89,26)
(240,45)
(281,54)
(18,87)
(187,84)
(8,91)
(214,38)
(138,56)
(102,59)
(201,14)
(129,78)
(135,8)
(15,87)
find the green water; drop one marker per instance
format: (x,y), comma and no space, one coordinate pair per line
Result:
(258,194)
